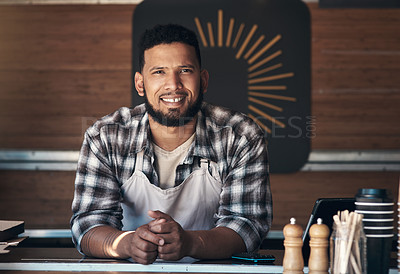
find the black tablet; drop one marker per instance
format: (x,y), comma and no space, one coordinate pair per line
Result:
(326,208)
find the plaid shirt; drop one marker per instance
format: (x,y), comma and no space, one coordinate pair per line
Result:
(230,139)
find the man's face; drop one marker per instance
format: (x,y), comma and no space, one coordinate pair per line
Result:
(172,83)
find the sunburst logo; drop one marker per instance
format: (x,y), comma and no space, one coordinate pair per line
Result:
(256,50)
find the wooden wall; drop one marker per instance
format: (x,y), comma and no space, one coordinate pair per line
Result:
(62,67)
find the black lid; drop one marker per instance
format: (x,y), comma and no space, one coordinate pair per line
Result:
(383,195)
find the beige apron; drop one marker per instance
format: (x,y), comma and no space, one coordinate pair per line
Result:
(192,204)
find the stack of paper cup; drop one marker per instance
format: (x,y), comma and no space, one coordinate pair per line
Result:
(398,228)
(377,207)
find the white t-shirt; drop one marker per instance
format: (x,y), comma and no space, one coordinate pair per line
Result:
(166,162)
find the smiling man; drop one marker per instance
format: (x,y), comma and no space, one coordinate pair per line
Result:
(175,176)
(176,91)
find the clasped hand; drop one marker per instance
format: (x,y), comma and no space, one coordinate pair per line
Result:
(163,237)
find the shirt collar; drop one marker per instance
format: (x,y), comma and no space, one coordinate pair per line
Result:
(202,147)
(143,137)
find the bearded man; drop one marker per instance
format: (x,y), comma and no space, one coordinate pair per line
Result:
(175,176)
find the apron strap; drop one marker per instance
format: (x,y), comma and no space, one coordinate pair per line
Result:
(204,163)
(210,167)
(139,161)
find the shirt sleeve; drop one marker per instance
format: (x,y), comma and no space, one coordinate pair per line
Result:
(97,195)
(246,201)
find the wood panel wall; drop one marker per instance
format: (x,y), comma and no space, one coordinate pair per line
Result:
(355,83)
(62,67)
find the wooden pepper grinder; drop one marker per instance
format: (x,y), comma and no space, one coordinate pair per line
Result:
(319,262)
(293,262)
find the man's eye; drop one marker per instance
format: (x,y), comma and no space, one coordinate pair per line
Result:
(186,70)
(158,72)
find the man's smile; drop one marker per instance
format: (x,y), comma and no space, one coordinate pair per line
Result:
(172,100)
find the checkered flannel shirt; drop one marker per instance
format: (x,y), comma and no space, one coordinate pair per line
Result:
(230,139)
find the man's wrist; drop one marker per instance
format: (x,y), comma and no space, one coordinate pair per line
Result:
(121,244)
(217,243)
(195,243)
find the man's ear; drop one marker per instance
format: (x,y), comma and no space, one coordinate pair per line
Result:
(139,85)
(204,79)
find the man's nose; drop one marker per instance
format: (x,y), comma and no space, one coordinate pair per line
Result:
(173,82)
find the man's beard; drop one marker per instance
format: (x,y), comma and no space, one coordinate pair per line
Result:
(174,118)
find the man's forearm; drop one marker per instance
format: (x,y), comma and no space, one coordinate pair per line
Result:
(104,242)
(217,243)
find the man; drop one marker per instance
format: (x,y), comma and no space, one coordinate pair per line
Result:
(175,176)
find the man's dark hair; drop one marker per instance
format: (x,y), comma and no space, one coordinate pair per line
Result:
(167,34)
